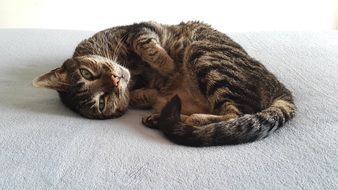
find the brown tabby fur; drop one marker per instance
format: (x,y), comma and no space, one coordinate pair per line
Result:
(203,87)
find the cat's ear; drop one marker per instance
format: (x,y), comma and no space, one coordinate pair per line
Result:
(56,79)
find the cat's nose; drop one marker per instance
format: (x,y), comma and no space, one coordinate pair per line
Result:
(116,80)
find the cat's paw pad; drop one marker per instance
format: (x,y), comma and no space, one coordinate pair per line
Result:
(151,121)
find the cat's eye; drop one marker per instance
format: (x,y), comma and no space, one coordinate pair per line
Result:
(101,103)
(86,74)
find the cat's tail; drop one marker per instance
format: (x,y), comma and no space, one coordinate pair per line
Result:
(247,128)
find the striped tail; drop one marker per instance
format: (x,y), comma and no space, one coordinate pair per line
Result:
(247,128)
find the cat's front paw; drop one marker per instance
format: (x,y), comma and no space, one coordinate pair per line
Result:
(151,121)
(167,66)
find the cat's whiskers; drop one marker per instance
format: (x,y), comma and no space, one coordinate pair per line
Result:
(86,101)
(92,106)
(62,83)
(107,50)
(81,92)
(118,46)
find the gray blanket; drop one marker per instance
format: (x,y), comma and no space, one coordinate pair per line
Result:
(43,145)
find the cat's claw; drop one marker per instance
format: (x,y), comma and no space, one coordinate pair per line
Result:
(151,121)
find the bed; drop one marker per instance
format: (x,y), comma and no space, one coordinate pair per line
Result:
(43,145)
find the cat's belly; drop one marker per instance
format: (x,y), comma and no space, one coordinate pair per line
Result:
(190,103)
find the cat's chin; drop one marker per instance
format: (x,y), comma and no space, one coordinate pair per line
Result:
(125,74)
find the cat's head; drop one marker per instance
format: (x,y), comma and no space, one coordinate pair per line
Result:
(93,86)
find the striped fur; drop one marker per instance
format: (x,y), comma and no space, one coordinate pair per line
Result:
(217,93)
(247,128)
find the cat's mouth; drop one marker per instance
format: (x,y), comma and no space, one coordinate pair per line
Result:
(125,75)
(124,78)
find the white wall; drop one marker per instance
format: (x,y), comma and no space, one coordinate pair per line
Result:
(231,15)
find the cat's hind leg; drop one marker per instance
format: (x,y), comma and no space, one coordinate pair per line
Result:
(197,119)
(214,74)
(227,112)
(151,120)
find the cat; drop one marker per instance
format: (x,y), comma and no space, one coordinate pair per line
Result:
(204,88)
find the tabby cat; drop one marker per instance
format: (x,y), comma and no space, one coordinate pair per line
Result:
(204,88)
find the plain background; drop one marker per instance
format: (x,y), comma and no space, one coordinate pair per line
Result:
(230,15)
